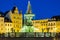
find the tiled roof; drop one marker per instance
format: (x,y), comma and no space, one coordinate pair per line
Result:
(7,20)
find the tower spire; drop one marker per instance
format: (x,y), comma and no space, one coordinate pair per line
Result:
(20,12)
(29,7)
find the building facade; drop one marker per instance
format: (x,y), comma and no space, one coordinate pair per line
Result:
(8,25)
(2,27)
(16,19)
(52,26)
(41,25)
(58,26)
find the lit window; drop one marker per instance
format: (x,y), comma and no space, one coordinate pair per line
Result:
(1,24)
(49,24)
(14,17)
(46,24)
(8,24)
(5,24)
(1,28)
(54,23)
(37,22)
(18,18)
(14,25)
(8,29)
(11,29)
(1,19)
(42,24)
(16,21)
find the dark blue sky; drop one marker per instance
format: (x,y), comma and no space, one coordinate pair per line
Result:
(41,8)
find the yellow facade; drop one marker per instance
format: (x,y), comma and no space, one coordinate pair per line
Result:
(36,24)
(46,26)
(16,19)
(52,26)
(41,25)
(58,26)
(8,27)
(2,28)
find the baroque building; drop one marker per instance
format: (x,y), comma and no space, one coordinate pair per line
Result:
(41,25)
(8,25)
(16,19)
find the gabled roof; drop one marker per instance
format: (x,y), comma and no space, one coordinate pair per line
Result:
(7,19)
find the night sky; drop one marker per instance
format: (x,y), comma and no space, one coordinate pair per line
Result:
(41,8)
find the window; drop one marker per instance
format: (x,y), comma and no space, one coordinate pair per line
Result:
(14,17)
(1,28)
(5,24)
(8,24)
(18,26)
(54,23)
(42,24)
(14,26)
(1,19)
(1,24)
(8,29)
(16,21)
(51,24)
(46,24)
(11,29)
(37,22)
(18,18)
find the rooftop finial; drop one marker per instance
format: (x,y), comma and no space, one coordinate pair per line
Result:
(20,11)
(29,7)
(10,11)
